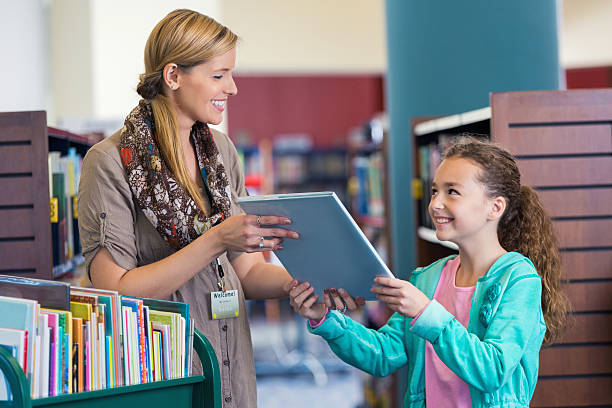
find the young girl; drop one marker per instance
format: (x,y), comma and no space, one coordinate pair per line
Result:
(468,327)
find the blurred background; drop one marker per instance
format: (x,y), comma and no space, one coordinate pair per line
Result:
(327,91)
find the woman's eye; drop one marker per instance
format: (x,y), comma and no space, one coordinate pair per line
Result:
(218,76)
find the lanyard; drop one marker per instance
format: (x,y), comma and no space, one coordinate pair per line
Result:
(221,281)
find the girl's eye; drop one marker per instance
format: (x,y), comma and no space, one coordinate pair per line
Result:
(453,191)
(434,191)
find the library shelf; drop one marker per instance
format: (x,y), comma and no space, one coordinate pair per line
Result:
(194,391)
(26,237)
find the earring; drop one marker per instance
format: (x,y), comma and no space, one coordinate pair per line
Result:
(173,86)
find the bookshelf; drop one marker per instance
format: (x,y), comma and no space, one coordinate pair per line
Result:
(194,391)
(279,170)
(367,182)
(25,238)
(562,143)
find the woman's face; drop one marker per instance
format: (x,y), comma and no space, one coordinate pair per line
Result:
(203,89)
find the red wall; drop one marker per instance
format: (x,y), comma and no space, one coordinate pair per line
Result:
(324,106)
(596,77)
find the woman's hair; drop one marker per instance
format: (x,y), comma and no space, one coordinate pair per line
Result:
(524,226)
(185,38)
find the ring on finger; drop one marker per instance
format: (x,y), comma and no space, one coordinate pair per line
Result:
(343,309)
(259,221)
(261,242)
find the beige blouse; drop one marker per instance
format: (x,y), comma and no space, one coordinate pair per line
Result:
(110,218)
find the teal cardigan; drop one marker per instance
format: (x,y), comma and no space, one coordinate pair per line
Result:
(497,356)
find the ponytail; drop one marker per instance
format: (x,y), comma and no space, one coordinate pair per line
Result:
(529,230)
(524,227)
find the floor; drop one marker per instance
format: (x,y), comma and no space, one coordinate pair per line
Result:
(295,367)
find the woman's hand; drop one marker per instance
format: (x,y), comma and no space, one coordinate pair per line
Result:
(341,300)
(400,296)
(302,300)
(246,233)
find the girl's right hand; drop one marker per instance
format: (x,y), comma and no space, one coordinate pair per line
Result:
(242,232)
(302,300)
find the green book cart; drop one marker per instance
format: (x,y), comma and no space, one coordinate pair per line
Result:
(195,391)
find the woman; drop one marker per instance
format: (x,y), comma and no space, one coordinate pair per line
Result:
(157,200)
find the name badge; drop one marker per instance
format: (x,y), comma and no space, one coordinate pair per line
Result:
(224,304)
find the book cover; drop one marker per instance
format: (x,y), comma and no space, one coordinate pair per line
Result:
(21,314)
(136,305)
(112,301)
(49,294)
(77,359)
(43,355)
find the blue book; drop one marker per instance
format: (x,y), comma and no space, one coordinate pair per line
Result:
(332,251)
(21,314)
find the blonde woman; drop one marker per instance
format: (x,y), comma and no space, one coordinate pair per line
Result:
(157,200)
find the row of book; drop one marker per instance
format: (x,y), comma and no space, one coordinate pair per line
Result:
(64,175)
(367,185)
(71,339)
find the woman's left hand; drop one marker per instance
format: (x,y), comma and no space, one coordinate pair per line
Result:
(400,296)
(341,300)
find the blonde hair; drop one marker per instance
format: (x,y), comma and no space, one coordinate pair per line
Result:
(525,227)
(185,38)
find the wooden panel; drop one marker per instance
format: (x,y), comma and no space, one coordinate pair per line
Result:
(566,171)
(18,223)
(572,392)
(578,360)
(589,328)
(584,233)
(18,126)
(587,264)
(12,255)
(590,296)
(33,222)
(561,139)
(577,202)
(549,106)
(16,159)
(17,191)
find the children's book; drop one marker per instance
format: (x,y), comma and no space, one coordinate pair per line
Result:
(21,314)
(49,294)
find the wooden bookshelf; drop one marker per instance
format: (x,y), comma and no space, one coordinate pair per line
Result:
(563,145)
(25,235)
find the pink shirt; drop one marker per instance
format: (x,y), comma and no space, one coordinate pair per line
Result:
(442,387)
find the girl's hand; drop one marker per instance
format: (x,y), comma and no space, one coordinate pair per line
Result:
(302,300)
(400,296)
(245,233)
(341,300)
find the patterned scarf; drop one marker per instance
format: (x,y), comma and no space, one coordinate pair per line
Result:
(166,204)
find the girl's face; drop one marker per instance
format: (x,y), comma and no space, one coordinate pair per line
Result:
(203,89)
(459,206)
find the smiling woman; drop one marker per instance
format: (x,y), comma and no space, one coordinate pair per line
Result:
(158,214)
